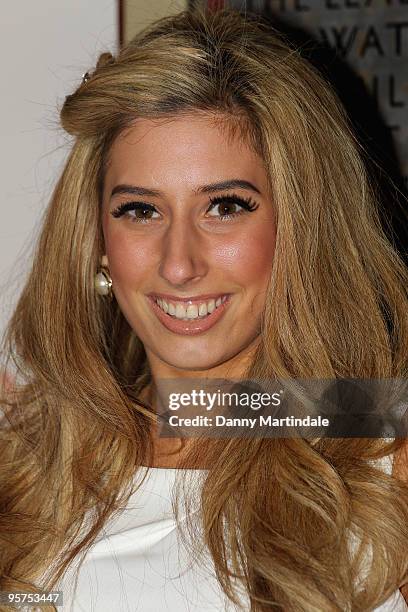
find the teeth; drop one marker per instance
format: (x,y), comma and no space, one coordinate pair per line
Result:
(180,311)
(163,305)
(202,311)
(210,306)
(192,311)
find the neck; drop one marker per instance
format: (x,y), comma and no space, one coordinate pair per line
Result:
(170,452)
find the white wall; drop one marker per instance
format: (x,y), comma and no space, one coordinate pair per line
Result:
(45,47)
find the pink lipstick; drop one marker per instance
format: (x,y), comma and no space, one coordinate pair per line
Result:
(193,326)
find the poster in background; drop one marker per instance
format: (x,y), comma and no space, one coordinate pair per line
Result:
(371,37)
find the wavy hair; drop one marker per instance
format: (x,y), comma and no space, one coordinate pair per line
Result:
(276,513)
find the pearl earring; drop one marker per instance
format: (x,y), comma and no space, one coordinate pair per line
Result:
(103,282)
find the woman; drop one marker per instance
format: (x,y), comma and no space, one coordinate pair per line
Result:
(216,197)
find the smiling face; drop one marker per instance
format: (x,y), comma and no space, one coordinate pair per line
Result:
(189,232)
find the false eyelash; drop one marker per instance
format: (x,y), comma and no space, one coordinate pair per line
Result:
(247,203)
(125,206)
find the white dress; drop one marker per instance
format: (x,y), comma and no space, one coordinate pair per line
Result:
(139,563)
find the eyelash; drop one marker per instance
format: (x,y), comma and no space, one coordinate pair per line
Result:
(247,205)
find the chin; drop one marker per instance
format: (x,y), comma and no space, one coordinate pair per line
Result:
(197,363)
(203,360)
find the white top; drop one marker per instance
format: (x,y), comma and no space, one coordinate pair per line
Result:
(139,563)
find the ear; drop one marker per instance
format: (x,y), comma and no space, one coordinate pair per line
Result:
(104,261)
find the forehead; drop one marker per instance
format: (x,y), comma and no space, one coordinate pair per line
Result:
(187,148)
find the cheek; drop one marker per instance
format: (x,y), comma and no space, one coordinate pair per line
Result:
(131,258)
(244,257)
(248,257)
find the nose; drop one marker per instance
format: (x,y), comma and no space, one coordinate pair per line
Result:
(183,256)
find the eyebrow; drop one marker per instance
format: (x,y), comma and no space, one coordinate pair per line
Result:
(229,184)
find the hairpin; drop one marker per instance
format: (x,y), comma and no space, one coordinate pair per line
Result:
(85,77)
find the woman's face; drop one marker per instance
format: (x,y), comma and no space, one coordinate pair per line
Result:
(190,251)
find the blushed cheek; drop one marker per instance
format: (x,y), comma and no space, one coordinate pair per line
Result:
(260,260)
(260,255)
(130,259)
(248,258)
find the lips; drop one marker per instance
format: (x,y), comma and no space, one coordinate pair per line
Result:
(187,300)
(197,320)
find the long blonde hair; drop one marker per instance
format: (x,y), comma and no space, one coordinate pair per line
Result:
(275,512)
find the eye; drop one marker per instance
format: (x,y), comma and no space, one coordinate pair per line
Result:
(229,206)
(143,212)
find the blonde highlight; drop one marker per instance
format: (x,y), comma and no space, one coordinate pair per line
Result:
(276,514)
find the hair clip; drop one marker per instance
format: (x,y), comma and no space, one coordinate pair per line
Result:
(85,77)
